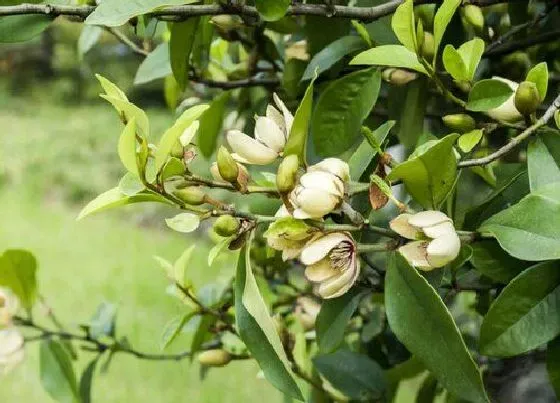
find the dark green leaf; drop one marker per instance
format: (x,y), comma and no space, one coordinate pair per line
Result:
(492,261)
(155,66)
(57,373)
(272,10)
(18,272)
(180,47)
(21,28)
(341,109)
(543,160)
(364,154)
(390,55)
(553,365)
(211,124)
(331,54)
(86,381)
(428,390)
(525,315)
(488,94)
(297,139)
(421,321)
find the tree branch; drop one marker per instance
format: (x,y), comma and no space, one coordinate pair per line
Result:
(513,46)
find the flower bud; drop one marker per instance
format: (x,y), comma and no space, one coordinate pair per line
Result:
(428,47)
(473,15)
(214,358)
(9,306)
(289,236)
(527,98)
(286,177)
(226,225)
(177,150)
(227,166)
(460,122)
(398,76)
(191,195)
(507,111)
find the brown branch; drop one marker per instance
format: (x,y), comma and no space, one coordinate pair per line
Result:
(247,82)
(121,37)
(513,46)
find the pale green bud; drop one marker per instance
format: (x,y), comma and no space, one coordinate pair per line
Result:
(428,46)
(227,166)
(398,76)
(226,225)
(460,122)
(191,195)
(286,178)
(177,150)
(527,98)
(214,358)
(473,15)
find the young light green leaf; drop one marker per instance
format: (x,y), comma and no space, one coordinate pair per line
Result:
(110,88)
(183,35)
(257,329)
(173,167)
(492,261)
(18,270)
(471,53)
(454,64)
(127,147)
(211,124)
(333,319)
(430,174)
(341,109)
(488,94)
(56,371)
(127,110)
(543,160)
(217,249)
(403,25)
(297,139)
(272,10)
(525,315)
(362,32)
(553,365)
(469,140)
(155,66)
(183,222)
(21,28)
(172,329)
(539,75)
(420,320)
(180,266)
(331,54)
(89,36)
(365,153)
(441,21)
(528,230)
(390,55)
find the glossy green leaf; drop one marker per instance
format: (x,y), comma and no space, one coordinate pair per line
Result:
(86,381)
(297,139)
(526,313)
(57,373)
(183,36)
(331,54)
(543,160)
(257,329)
(211,124)
(113,13)
(171,135)
(18,270)
(333,319)
(155,66)
(441,20)
(492,261)
(528,230)
(421,321)
(355,375)
(471,52)
(454,64)
(364,154)
(127,147)
(272,10)
(429,176)
(488,94)
(553,365)
(390,55)
(469,140)
(89,36)
(341,109)
(21,28)
(403,25)
(115,198)
(539,75)
(183,222)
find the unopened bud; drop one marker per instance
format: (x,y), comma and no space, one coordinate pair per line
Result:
(214,358)
(398,76)
(527,98)
(227,166)
(428,47)
(473,15)
(177,150)
(191,195)
(226,225)
(286,178)
(460,122)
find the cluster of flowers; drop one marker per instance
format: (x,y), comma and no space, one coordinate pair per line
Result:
(11,340)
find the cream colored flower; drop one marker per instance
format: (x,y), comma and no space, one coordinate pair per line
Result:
(436,242)
(332,264)
(9,305)
(271,134)
(11,349)
(507,111)
(333,166)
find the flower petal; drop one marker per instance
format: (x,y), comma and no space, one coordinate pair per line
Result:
(401,226)
(314,203)
(249,150)
(441,229)
(339,285)
(320,271)
(415,253)
(334,166)
(288,117)
(268,132)
(11,340)
(507,111)
(276,116)
(282,212)
(443,250)
(427,218)
(318,249)
(324,181)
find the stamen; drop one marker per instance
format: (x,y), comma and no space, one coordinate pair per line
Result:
(341,255)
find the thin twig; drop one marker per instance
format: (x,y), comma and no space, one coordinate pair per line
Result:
(127,41)
(514,46)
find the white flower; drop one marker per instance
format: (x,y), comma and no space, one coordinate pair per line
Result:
(9,306)
(331,263)
(436,242)
(507,111)
(11,349)
(271,134)
(334,166)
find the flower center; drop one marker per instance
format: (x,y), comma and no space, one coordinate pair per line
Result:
(341,255)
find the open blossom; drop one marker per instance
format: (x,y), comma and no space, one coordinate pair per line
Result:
(507,111)
(436,242)
(332,264)
(9,306)
(11,349)
(271,134)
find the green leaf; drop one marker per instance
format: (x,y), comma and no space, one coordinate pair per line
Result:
(421,321)
(364,154)
(429,176)
(362,32)
(272,10)
(488,94)
(390,55)
(471,53)
(127,110)
(130,184)
(18,270)
(89,36)
(127,147)
(454,64)
(331,54)
(183,35)
(21,28)
(171,135)
(539,75)
(173,167)
(341,109)
(113,13)
(355,375)
(428,391)
(297,139)
(553,365)
(333,319)
(257,330)
(403,26)
(115,198)
(528,230)
(57,373)
(180,266)
(173,328)
(492,261)
(154,66)
(104,320)
(217,249)
(183,222)
(201,333)
(526,313)
(211,124)
(441,21)
(86,381)
(543,160)
(110,88)
(469,140)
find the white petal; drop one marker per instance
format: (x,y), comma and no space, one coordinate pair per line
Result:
(443,250)
(334,166)
(435,231)
(507,111)
(318,249)
(288,117)
(189,133)
(249,150)
(338,286)
(276,116)
(320,271)
(11,341)
(324,181)
(415,253)
(302,215)
(282,212)
(315,203)
(401,226)
(288,254)
(427,218)
(270,134)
